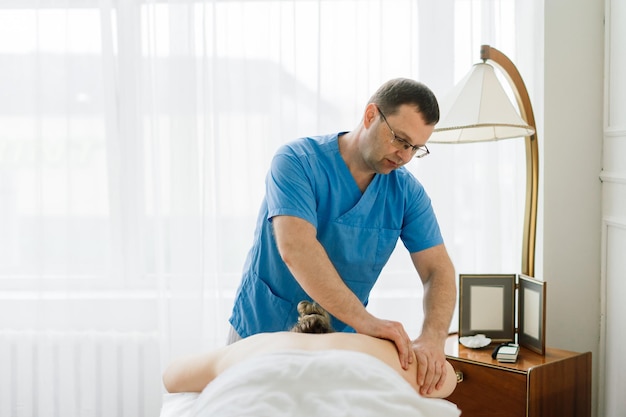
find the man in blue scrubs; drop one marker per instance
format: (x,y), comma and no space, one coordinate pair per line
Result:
(334,208)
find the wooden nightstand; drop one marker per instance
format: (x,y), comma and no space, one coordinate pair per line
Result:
(557,384)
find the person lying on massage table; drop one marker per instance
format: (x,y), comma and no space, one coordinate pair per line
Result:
(313,332)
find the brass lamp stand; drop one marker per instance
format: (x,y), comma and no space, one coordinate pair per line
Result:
(476,111)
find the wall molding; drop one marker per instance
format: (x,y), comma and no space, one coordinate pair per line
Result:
(608,223)
(611,132)
(613,177)
(612,221)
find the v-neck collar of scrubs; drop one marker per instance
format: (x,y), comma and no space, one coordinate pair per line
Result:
(364,200)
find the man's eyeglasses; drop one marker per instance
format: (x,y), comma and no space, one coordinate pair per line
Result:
(401,144)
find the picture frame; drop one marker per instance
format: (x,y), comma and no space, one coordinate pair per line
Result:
(532,314)
(487,306)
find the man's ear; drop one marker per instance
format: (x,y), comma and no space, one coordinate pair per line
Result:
(370,115)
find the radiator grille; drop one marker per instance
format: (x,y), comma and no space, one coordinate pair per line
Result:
(80,374)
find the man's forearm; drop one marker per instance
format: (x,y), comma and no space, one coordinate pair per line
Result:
(309,263)
(439,302)
(437,275)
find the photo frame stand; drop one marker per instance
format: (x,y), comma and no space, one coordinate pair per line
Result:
(504,307)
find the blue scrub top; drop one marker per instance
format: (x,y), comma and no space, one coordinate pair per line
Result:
(309,179)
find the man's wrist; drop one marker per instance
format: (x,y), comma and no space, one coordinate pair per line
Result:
(433,336)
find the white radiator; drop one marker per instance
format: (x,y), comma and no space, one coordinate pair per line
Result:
(79,374)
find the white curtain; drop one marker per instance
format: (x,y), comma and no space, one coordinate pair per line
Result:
(135,137)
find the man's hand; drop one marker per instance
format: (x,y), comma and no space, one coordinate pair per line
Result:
(431,361)
(390,330)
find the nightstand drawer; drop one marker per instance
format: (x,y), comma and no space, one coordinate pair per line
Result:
(489,391)
(555,384)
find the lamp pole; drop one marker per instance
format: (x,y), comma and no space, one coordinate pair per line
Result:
(532,153)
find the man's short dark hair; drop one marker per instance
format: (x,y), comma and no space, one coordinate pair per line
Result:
(399,91)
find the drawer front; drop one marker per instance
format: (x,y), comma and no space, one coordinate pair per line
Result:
(489,392)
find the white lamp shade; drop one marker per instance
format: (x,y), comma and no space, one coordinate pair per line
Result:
(478,110)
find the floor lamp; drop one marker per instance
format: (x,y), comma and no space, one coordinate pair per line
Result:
(478,109)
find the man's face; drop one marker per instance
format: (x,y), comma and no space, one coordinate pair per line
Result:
(391,140)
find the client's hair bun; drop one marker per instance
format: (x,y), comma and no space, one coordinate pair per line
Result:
(313,319)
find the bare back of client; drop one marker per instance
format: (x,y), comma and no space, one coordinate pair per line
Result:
(381,349)
(194,373)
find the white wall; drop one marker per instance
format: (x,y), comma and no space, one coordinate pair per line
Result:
(612,364)
(572,156)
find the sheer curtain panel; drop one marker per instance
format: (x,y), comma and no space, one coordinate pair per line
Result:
(134,141)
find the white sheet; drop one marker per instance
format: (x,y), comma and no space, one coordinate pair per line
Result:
(321,383)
